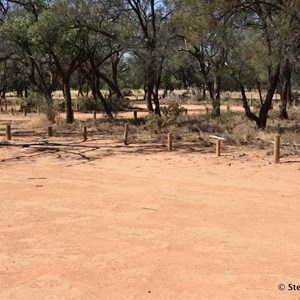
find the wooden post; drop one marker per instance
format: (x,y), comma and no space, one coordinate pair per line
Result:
(135,115)
(186,111)
(94,115)
(207,110)
(12,111)
(25,111)
(49,131)
(126,134)
(8,132)
(218,148)
(1,109)
(84,133)
(228,107)
(169,141)
(5,106)
(277,148)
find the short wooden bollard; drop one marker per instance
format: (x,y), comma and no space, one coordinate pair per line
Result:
(8,132)
(50,132)
(25,111)
(1,109)
(12,111)
(135,115)
(5,106)
(84,133)
(170,142)
(277,148)
(94,115)
(228,107)
(126,134)
(207,110)
(218,148)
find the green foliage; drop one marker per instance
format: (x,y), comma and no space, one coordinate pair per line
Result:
(127,92)
(87,104)
(169,116)
(172,111)
(154,122)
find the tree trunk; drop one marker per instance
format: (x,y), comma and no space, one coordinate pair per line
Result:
(3,92)
(216,100)
(213,97)
(68,102)
(148,96)
(259,92)
(102,99)
(26,91)
(204,92)
(263,113)
(156,102)
(285,90)
(50,113)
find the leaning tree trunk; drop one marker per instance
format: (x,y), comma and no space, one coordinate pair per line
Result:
(263,113)
(68,101)
(102,99)
(285,90)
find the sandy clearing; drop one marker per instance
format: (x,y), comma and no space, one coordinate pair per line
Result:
(124,224)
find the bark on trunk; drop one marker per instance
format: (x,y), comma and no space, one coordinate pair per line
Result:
(216,100)
(102,99)
(156,102)
(68,102)
(285,90)
(263,114)
(259,92)
(148,97)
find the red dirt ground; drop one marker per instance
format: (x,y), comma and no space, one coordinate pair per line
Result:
(99,220)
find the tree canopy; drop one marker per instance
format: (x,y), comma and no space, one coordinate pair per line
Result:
(209,45)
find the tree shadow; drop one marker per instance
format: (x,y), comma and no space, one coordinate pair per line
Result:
(93,150)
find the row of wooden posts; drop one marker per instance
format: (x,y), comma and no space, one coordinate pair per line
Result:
(12,110)
(170,140)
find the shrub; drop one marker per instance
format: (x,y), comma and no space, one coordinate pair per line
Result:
(87,104)
(127,92)
(172,111)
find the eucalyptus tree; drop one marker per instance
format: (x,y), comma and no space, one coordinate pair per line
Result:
(22,52)
(56,35)
(264,36)
(149,43)
(204,37)
(104,47)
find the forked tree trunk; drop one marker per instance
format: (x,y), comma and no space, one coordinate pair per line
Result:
(261,119)
(273,81)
